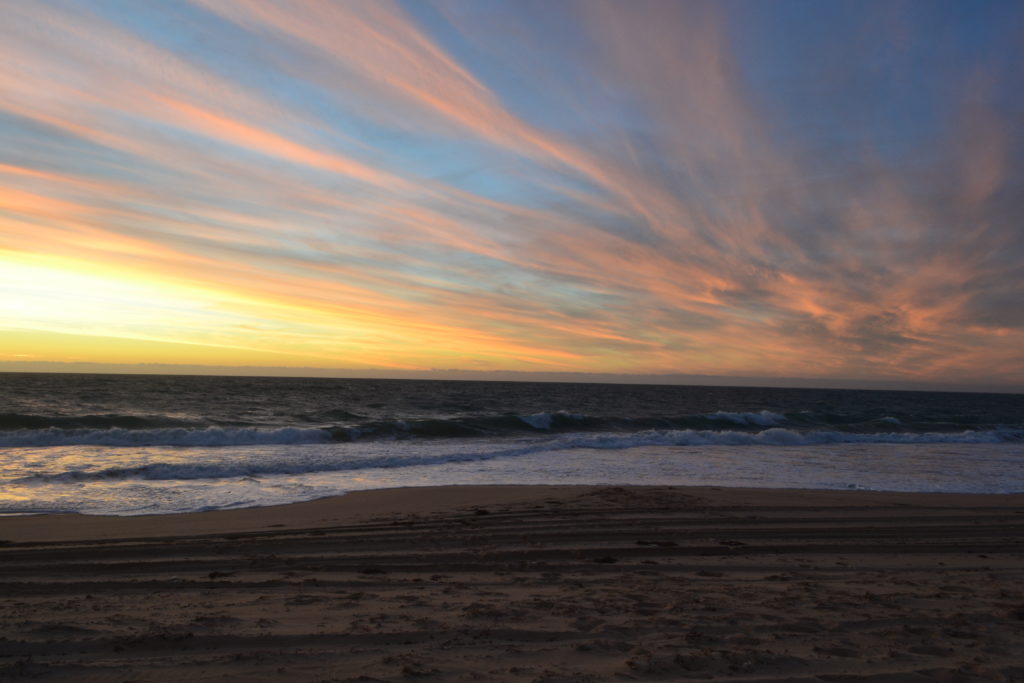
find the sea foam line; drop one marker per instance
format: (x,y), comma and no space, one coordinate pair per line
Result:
(300,462)
(245,436)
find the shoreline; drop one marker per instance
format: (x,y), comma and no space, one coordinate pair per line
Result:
(360,506)
(525,583)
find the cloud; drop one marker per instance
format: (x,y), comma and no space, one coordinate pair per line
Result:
(652,187)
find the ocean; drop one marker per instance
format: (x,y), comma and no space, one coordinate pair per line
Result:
(147,444)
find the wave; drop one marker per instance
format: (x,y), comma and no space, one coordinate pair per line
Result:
(764,418)
(777,436)
(121,431)
(127,430)
(19,421)
(294,463)
(178,436)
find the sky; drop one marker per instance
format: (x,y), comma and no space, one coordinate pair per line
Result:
(735,188)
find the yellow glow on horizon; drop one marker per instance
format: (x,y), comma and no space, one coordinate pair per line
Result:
(58,347)
(111,312)
(58,309)
(47,292)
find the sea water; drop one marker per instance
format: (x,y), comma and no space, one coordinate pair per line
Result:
(137,444)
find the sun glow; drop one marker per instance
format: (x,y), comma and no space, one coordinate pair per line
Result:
(56,295)
(105,310)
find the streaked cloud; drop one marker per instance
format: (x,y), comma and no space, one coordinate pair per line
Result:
(758,189)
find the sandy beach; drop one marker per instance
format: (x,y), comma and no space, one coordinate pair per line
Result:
(515,583)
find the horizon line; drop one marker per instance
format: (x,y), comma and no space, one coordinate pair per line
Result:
(457,374)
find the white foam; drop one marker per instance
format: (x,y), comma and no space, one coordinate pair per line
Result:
(537,420)
(381,457)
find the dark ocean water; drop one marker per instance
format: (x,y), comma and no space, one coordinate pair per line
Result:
(52,409)
(137,443)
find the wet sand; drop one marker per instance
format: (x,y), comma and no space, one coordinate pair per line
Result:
(525,584)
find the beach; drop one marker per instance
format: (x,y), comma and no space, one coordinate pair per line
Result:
(525,583)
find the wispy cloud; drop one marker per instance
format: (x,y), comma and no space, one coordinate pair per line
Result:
(599,186)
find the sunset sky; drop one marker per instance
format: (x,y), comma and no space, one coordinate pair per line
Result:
(759,188)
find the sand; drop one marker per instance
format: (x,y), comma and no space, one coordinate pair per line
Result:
(525,584)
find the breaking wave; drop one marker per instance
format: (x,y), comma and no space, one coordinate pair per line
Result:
(764,418)
(743,427)
(17,421)
(307,463)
